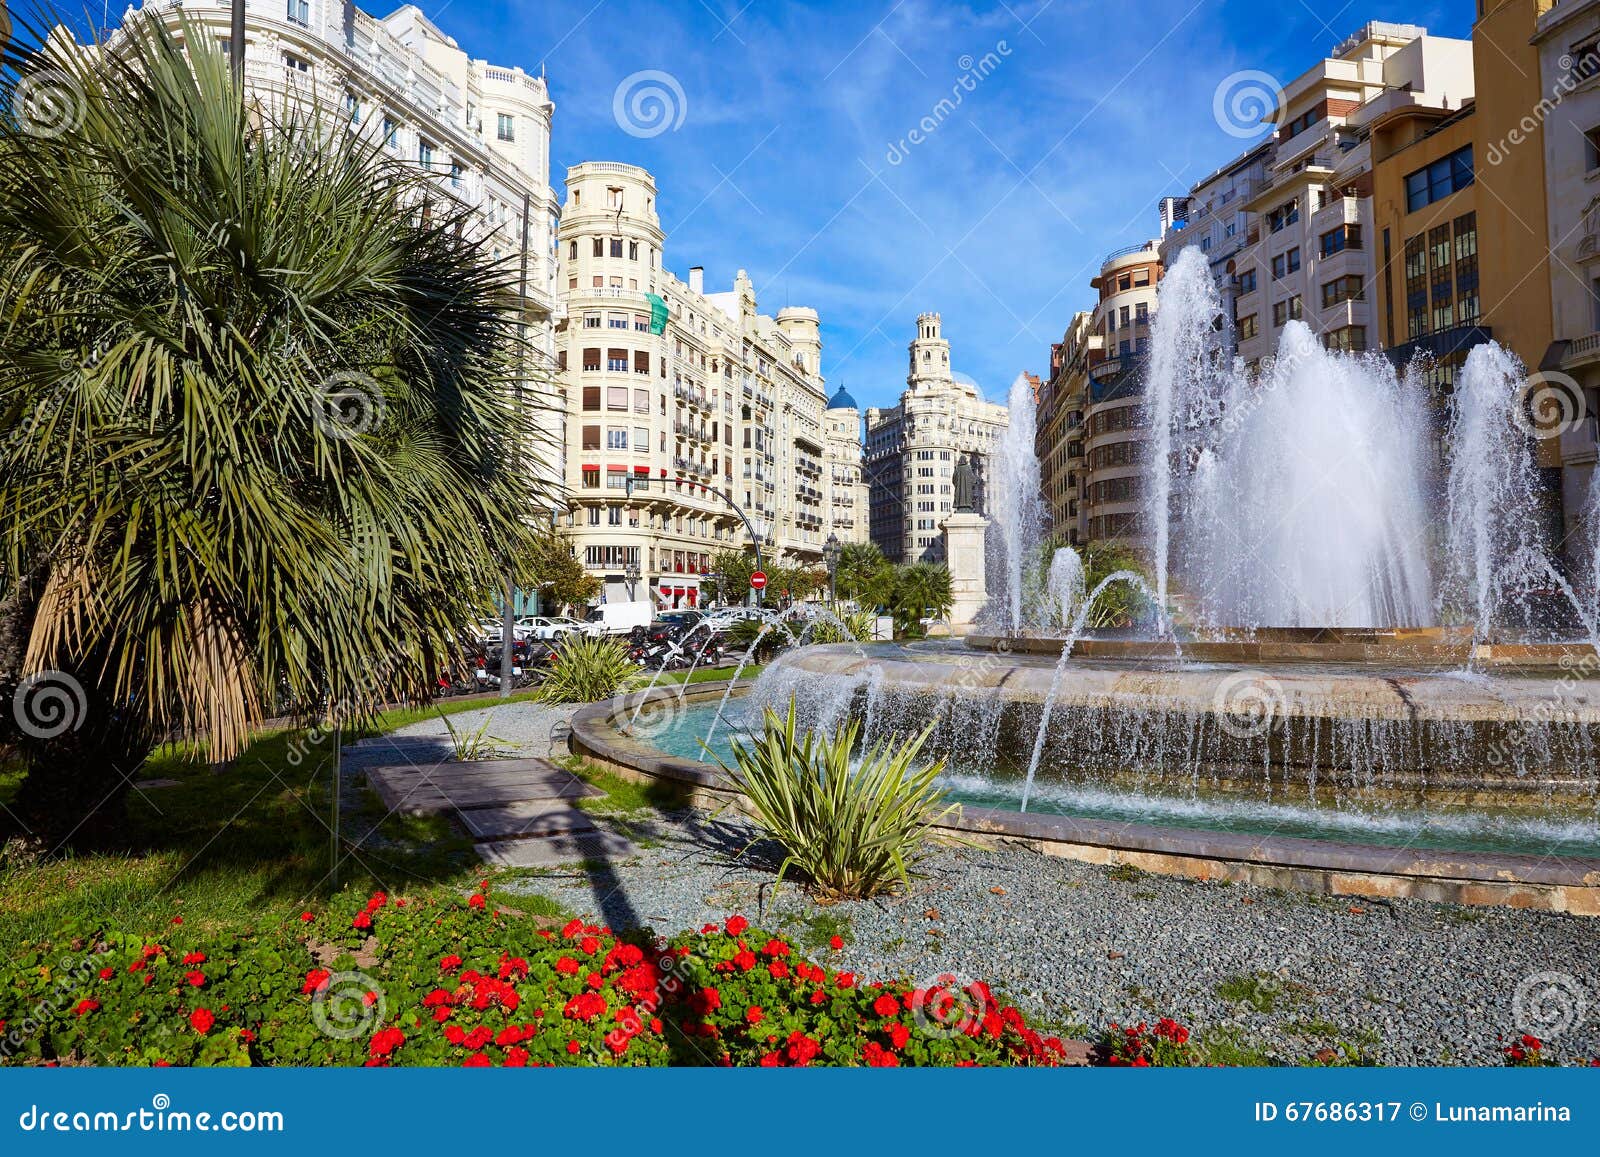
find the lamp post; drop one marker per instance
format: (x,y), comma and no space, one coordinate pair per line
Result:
(631,573)
(831,550)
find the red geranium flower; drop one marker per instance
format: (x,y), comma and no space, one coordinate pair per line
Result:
(573,1047)
(196,979)
(85,1006)
(475,1061)
(516,1058)
(589,946)
(201,1020)
(476,901)
(736,925)
(567,966)
(385,1041)
(449,963)
(306,917)
(753,1014)
(177,919)
(316,980)
(745,959)
(836,942)
(455,1034)
(362,920)
(378,900)
(899,1034)
(886,1005)
(105,974)
(195,958)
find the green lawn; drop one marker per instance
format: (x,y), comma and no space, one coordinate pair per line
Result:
(246,847)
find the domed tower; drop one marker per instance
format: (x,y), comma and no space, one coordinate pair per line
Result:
(610,235)
(804,331)
(930,353)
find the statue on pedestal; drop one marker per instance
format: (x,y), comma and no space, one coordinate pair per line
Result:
(965,483)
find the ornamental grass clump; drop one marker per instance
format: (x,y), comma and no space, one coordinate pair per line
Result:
(851,829)
(588,670)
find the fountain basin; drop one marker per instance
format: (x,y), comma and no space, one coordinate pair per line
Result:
(1321,866)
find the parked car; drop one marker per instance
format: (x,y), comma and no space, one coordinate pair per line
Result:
(550,627)
(619,618)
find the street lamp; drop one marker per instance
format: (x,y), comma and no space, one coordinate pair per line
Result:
(831,550)
(631,573)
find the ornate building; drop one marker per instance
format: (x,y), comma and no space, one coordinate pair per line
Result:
(912,449)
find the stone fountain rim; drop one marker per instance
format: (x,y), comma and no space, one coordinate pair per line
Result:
(1517,880)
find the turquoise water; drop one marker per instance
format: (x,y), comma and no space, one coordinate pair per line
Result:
(1534,830)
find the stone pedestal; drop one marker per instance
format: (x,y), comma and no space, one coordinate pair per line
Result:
(963,553)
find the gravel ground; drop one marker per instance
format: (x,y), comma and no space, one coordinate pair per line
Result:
(1079,946)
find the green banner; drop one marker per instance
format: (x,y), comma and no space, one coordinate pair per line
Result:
(658,313)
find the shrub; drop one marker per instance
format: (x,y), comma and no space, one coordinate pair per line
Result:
(458,983)
(857,628)
(852,832)
(587,670)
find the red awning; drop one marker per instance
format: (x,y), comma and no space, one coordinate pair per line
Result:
(616,469)
(590,466)
(641,469)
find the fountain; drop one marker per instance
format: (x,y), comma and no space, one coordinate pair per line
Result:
(1340,689)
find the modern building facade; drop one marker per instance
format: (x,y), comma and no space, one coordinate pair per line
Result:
(912,450)
(694,423)
(846,485)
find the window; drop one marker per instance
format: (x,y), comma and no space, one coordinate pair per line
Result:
(599,250)
(1287,310)
(1340,239)
(1247,327)
(616,438)
(591,359)
(1300,124)
(591,437)
(505,126)
(1352,339)
(616,397)
(633,251)
(1341,289)
(591,398)
(617,320)
(616,247)
(617,361)
(1283,216)
(1585,64)
(1247,281)
(391,135)
(591,477)
(1592,142)
(1285,263)
(295,64)
(1438,180)
(299,12)
(424,153)
(352,105)
(591,321)
(641,438)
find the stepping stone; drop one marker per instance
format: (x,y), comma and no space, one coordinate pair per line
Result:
(528,818)
(550,851)
(451,786)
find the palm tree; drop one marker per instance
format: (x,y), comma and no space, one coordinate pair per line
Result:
(257,391)
(921,590)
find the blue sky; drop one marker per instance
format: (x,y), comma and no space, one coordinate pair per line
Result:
(998,219)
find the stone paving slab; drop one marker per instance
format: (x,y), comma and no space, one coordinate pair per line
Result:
(447,786)
(554,850)
(525,819)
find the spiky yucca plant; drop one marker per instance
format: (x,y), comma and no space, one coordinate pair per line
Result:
(853,830)
(257,384)
(588,670)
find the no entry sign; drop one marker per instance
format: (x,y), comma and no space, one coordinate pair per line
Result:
(758,579)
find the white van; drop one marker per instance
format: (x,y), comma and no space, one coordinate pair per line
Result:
(618,618)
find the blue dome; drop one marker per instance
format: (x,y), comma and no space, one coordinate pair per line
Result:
(842,401)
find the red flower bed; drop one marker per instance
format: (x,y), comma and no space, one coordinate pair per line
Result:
(458,983)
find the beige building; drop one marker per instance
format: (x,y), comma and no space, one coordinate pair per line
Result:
(846,485)
(1568,42)
(1063,402)
(686,413)
(1114,419)
(912,449)
(1310,254)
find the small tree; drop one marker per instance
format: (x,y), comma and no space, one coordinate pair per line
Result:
(555,570)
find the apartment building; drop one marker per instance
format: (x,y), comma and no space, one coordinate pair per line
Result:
(912,449)
(1568,43)
(846,484)
(1063,401)
(1115,423)
(694,422)
(482,130)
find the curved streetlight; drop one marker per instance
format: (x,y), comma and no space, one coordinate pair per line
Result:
(749,526)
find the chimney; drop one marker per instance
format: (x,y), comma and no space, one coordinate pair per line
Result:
(697,278)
